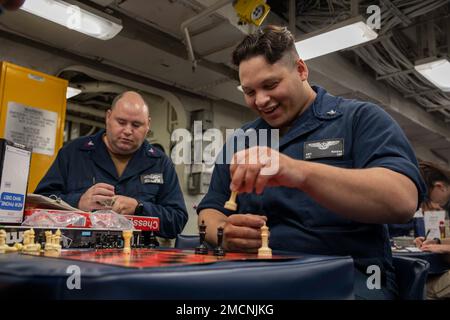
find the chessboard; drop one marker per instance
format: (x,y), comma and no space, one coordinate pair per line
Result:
(152,258)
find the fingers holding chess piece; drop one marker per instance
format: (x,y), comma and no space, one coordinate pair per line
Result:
(231,203)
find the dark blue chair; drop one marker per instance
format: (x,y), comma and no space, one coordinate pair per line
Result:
(411,276)
(187,241)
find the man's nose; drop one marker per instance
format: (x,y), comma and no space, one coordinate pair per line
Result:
(261,99)
(128,129)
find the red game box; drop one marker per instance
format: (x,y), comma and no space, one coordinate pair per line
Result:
(82,219)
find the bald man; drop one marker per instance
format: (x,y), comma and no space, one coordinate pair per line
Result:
(118,169)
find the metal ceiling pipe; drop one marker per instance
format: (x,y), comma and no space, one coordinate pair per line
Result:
(85,121)
(85,110)
(99,86)
(185,32)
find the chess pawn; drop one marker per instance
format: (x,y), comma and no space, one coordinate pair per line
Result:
(127,234)
(265,251)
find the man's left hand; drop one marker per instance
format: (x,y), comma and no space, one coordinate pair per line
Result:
(124,205)
(437,248)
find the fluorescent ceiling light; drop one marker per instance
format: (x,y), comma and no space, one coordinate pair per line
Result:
(344,35)
(436,71)
(73,17)
(72,92)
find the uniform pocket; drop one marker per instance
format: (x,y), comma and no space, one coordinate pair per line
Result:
(148,192)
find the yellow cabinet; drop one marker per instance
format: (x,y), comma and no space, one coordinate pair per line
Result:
(33,109)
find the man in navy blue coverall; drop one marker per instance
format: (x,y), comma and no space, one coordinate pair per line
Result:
(119,170)
(345,168)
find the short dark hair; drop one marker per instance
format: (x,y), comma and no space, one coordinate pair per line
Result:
(272,42)
(431,173)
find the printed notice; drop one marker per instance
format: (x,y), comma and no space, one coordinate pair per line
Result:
(32,127)
(432,220)
(13,186)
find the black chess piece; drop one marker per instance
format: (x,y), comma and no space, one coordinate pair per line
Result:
(202,248)
(153,242)
(218,251)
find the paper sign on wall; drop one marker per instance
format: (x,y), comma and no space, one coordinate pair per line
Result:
(31,127)
(432,220)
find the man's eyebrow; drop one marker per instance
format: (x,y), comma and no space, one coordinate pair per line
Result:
(265,81)
(268,80)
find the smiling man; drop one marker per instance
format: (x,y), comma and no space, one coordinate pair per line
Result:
(118,169)
(345,168)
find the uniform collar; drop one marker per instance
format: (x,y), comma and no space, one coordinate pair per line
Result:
(141,160)
(325,106)
(95,142)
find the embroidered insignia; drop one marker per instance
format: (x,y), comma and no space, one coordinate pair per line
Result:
(323,149)
(324,145)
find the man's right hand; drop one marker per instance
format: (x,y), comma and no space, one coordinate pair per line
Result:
(420,241)
(95,197)
(242,232)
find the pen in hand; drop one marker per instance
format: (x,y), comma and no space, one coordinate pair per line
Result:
(420,243)
(428,232)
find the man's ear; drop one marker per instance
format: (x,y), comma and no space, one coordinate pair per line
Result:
(108,115)
(302,69)
(441,185)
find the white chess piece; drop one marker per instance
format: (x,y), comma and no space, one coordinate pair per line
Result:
(265,251)
(2,241)
(127,234)
(57,240)
(48,240)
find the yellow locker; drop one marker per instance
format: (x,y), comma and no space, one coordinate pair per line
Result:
(33,110)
